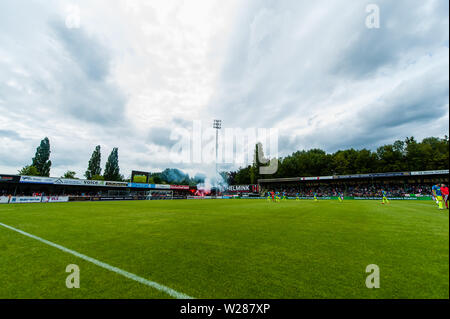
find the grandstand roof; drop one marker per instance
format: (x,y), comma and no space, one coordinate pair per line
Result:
(353,176)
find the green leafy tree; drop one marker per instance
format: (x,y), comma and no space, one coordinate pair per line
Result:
(408,155)
(112,171)
(94,164)
(29,170)
(243,176)
(97,178)
(41,159)
(254,171)
(155,178)
(69,174)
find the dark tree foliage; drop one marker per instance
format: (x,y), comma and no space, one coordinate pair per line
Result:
(112,171)
(94,168)
(408,155)
(41,159)
(29,170)
(69,174)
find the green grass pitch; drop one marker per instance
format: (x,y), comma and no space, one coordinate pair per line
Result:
(228,249)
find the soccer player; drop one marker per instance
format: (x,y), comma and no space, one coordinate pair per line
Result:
(315,197)
(439,197)
(385,200)
(297,196)
(341,197)
(444,191)
(434,193)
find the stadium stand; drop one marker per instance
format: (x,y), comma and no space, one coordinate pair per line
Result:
(81,190)
(396,184)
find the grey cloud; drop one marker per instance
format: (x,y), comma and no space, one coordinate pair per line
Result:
(86,92)
(303,55)
(415,101)
(92,57)
(160,136)
(406,28)
(10,134)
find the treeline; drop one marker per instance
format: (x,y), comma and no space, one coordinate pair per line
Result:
(431,153)
(41,164)
(175,177)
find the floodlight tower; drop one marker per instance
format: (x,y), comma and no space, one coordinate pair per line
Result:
(217,124)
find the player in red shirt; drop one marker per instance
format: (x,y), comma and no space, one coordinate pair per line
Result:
(444,191)
(272,193)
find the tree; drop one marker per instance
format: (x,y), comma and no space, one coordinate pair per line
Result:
(408,155)
(98,178)
(112,171)
(156,179)
(69,174)
(41,159)
(29,170)
(254,170)
(243,176)
(174,176)
(94,164)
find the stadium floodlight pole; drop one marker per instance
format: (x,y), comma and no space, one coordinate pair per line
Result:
(217,124)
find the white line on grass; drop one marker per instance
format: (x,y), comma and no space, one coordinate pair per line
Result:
(119,271)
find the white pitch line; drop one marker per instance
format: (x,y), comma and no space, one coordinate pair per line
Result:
(119,271)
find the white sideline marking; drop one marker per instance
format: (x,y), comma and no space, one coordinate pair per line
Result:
(119,271)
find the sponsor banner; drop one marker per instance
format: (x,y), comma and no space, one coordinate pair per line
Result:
(116,184)
(4,199)
(392,198)
(37,179)
(68,181)
(238,188)
(9,179)
(179,187)
(371,175)
(93,183)
(154,186)
(55,199)
(437,172)
(243,188)
(84,182)
(315,178)
(138,185)
(199,197)
(25,199)
(114,198)
(79,198)
(160,186)
(387,174)
(352,176)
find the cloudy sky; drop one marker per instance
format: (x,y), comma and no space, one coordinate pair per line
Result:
(127,74)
